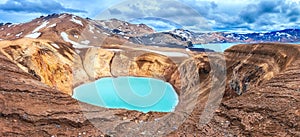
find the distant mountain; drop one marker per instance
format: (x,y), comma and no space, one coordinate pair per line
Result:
(284,36)
(84,32)
(73,29)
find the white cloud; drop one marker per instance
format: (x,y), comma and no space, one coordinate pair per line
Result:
(253,15)
(157,23)
(3,1)
(171,10)
(195,15)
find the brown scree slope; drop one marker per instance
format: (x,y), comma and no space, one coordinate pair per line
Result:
(267,76)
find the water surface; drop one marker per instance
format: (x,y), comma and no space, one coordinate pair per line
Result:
(221,47)
(132,93)
(217,47)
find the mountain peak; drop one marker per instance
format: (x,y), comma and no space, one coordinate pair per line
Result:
(79,29)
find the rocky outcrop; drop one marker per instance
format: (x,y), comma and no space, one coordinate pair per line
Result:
(190,73)
(116,62)
(43,61)
(97,62)
(153,65)
(56,65)
(261,63)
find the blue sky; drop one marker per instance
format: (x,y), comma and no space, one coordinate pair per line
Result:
(196,15)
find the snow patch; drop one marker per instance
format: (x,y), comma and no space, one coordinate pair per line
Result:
(7,34)
(19,34)
(102,23)
(122,33)
(230,36)
(53,25)
(283,34)
(184,34)
(116,50)
(171,54)
(91,28)
(44,24)
(33,35)
(65,37)
(95,37)
(2,29)
(62,16)
(76,21)
(76,36)
(77,51)
(55,45)
(86,42)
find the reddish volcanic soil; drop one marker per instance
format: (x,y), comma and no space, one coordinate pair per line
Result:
(270,107)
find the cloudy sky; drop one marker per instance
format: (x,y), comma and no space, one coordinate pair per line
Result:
(196,15)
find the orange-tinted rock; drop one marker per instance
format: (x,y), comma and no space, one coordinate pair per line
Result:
(153,65)
(97,62)
(39,58)
(249,65)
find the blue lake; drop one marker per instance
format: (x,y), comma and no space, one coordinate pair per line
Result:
(131,93)
(221,47)
(296,43)
(217,47)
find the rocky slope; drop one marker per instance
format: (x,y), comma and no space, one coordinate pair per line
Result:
(268,76)
(260,64)
(31,108)
(271,99)
(56,65)
(59,66)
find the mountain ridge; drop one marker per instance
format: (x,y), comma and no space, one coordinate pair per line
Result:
(141,33)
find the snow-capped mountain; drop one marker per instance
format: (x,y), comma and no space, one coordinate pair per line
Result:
(74,31)
(84,32)
(284,36)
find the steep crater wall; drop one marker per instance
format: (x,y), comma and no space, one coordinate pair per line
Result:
(252,64)
(101,63)
(51,65)
(60,67)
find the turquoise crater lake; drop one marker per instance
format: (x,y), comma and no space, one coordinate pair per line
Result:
(131,93)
